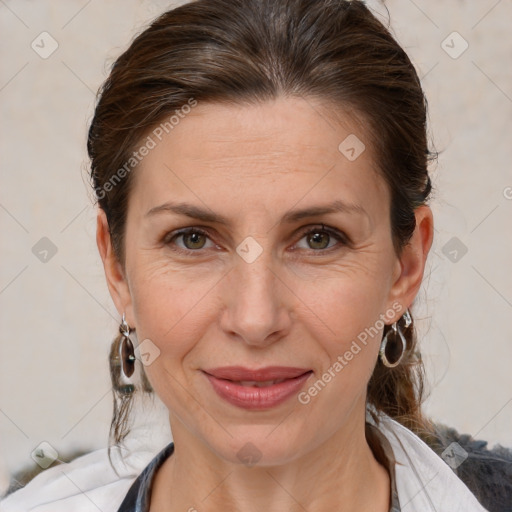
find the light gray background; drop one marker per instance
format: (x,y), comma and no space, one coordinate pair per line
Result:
(57,319)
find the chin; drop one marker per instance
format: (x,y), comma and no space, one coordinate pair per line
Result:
(256,446)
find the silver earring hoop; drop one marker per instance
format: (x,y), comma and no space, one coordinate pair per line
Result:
(392,352)
(407,318)
(124,328)
(126,352)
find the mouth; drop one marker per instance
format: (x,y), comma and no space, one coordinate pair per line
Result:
(266,374)
(257,389)
(258,384)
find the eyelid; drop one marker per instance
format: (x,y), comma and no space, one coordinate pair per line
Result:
(322,227)
(342,238)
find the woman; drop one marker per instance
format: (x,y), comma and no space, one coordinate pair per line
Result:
(261,174)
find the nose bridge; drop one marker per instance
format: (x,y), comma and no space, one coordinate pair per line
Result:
(255,308)
(255,276)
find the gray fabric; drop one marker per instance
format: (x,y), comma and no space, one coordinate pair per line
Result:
(487,473)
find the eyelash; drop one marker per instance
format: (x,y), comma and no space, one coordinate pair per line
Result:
(340,237)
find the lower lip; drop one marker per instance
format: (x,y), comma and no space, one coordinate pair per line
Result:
(249,397)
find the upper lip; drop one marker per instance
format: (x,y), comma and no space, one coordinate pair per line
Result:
(239,373)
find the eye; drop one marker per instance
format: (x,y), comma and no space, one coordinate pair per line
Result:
(318,238)
(193,239)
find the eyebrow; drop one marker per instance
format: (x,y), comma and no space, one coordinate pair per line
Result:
(204,215)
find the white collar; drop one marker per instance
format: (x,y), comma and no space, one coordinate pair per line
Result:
(424,481)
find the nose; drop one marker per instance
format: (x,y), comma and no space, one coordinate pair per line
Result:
(257,303)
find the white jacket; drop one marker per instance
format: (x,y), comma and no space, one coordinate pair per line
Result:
(425,483)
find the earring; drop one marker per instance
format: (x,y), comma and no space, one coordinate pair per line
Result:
(391,353)
(126,351)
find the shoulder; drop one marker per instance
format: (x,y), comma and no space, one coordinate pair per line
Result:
(88,483)
(424,479)
(487,472)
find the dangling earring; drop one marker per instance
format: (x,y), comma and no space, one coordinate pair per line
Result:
(391,353)
(126,352)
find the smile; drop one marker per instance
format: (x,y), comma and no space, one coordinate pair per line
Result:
(257,393)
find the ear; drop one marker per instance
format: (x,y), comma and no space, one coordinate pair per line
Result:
(116,280)
(410,265)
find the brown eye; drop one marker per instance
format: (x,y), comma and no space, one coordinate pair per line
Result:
(319,238)
(193,239)
(196,240)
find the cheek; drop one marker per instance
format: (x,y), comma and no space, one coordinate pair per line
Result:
(168,310)
(171,307)
(345,303)
(344,318)
(346,330)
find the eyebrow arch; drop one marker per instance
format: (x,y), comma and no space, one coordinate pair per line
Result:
(289,217)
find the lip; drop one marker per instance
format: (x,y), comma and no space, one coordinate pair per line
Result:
(238,373)
(257,398)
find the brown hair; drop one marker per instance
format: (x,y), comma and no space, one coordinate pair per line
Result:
(243,51)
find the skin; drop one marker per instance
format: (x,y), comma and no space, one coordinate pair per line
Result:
(300,303)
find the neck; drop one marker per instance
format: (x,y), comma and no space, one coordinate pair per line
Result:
(340,470)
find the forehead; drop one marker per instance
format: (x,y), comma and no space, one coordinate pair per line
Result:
(267,154)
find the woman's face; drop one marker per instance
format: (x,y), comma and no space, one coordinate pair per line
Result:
(267,286)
